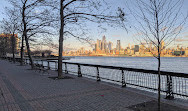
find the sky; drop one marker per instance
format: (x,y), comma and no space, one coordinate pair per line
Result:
(113,33)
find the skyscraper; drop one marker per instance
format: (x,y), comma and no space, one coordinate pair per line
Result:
(110,45)
(98,46)
(103,44)
(118,46)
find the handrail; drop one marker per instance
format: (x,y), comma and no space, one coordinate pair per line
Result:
(176,74)
(173,83)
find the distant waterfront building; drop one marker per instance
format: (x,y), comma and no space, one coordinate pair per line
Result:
(95,49)
(6,43)
(121,52)
(179,53)
(136,48)
(110,46)
(162,44)
(186,52)
(132,47)
(118,46)
(103,44)
(129,46)
(82,50)
(98,47)
(150,46)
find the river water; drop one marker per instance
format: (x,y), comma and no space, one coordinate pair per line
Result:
(172,64)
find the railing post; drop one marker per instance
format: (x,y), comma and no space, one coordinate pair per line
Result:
(56,66)
(29,62)
(79,71)
(48,64)
(66,71)
(98,77)
(123,78)
(24,61)
(42,62)
(169,92)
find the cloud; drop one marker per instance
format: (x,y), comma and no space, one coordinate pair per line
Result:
(164,28)
(137,34)
(185,33)
(186,36)
(177,29)
(181,40)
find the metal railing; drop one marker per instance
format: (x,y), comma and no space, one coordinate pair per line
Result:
(172,83)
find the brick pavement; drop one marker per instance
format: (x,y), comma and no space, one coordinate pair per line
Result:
(27,90)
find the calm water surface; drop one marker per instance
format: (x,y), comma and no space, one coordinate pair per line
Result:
(174,64)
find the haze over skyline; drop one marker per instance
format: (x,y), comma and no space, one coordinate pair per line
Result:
(113,34)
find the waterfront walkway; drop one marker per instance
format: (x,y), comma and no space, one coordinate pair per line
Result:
(22,89)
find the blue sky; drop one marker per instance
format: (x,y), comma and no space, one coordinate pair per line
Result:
(112,34)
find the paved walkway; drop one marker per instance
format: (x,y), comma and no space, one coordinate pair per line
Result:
(22,89)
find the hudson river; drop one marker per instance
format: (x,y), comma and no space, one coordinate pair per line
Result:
(173,64)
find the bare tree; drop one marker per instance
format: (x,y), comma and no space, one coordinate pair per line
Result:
(158,22)
(34,22)
(10,26)
(72,16)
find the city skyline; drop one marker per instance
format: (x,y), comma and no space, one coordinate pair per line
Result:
(103,47)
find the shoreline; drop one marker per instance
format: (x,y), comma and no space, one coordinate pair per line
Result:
(132,56)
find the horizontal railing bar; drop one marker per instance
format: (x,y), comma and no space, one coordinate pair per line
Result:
(173,74)
(109,79)
(181,94)
(144,87)
(88,75)
(176,74)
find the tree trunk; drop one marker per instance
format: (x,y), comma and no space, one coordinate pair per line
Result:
(60,74)
(22,51)
(29,51)
(159,83)
(13,47)
(25,35)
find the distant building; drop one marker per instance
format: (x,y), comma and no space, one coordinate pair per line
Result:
(110,46)
(6,43)
(95,49)
(103,44)
(118,46)
(186,52)
(129,46)
(121,52)
(98,45)
(179,53)
(136,48)
(162,44)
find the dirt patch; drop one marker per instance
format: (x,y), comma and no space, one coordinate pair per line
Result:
(152,106)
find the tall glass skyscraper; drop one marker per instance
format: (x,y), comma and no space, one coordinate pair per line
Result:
(118,46)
